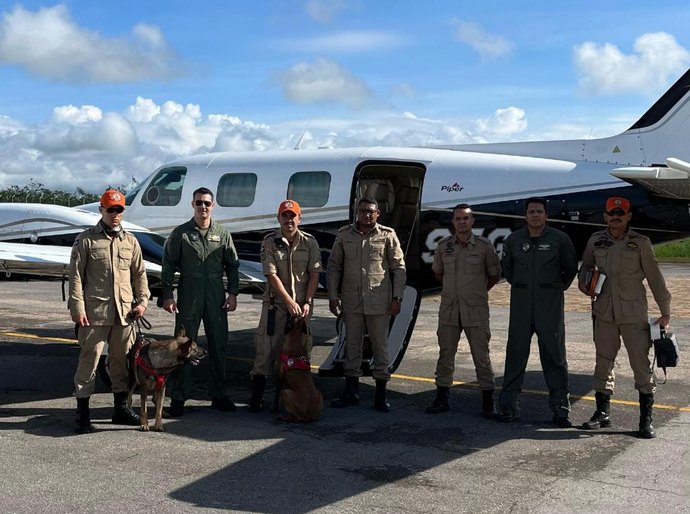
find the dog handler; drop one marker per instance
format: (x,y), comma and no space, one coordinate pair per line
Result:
(201,251)
(108,290)
(367,257)
(291,261)
(620,310)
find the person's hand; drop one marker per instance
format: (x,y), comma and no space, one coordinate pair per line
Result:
(335,307)
(230,303)
(663,321)
(81,320)
(136,312)
(394,309)
(293,308)
(170,306)
(306,309)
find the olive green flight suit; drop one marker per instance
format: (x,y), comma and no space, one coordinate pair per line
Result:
(621,310)
(466,269)
(539,270)
(201,261)
(365,264)
(292,265)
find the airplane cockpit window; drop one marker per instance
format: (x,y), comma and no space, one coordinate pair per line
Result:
(236,190)
(129,197)
(166,187)
(310,188)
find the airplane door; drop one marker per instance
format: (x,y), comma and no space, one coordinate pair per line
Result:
(397,187)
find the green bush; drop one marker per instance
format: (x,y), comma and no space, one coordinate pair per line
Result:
(678,251)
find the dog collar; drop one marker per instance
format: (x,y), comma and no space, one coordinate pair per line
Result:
(290,362)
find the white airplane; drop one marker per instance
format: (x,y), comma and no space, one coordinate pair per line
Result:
(417,188)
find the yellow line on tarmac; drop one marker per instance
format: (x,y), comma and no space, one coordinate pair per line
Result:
(34,336)
(411,378)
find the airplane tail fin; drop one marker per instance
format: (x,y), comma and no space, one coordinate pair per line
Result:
(662,132)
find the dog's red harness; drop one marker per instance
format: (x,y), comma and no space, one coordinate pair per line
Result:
(139,361)
(294,362)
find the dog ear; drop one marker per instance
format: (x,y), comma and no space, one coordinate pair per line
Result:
(181,332)
(185,348)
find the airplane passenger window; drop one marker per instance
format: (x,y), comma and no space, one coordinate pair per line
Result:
(310,188)
(236,190)
(166,187)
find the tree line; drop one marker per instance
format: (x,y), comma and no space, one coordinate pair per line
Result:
(36,192)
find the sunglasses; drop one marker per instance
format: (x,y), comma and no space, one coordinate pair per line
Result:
(199,203)
(616,212)
(117,209)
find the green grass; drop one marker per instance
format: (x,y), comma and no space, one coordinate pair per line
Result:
(678,251)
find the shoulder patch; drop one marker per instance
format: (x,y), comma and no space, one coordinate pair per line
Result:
(307,235)
(342,229)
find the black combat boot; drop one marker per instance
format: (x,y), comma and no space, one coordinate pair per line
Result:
(380,402)
(440,403)
(646,429)
(488,406)
(601,417)
(256,402)
(176,409)
(350,394)
(82,425)
(123,413)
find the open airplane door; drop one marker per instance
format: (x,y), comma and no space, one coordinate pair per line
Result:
(397,187)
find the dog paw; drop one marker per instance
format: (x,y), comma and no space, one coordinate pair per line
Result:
(144,428)
(159,428)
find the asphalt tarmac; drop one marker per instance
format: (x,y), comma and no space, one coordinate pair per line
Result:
(352,460)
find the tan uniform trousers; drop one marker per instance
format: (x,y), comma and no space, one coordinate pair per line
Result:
(267,348)
(92,341)
(607,341)
(377,327)
(478,338)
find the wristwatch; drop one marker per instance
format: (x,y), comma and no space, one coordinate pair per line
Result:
(397,299)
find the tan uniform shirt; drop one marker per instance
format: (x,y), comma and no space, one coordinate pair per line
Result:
(106,276)
(626,262)
(465,270)
(365,264)
(292,264)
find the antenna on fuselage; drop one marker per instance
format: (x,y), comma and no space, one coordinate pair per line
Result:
(298,146)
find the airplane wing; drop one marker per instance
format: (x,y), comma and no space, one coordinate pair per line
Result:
(670,181)
(53,261)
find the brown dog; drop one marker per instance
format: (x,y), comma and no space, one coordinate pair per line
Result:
(300,397)
(150,361)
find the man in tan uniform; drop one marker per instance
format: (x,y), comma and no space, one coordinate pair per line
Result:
(108,290)
(291,261)
(620,310)
(468,267)
(364,256)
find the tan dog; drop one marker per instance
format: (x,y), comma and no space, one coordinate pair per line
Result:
(300,397)
(150,361)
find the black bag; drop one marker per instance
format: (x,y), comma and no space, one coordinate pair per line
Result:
(666,351)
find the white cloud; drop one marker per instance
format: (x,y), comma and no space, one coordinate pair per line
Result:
(503,123)
(489,46)
(323,11)
(605,69)
(82,146)
(353,41)
(47,43)
(324,81)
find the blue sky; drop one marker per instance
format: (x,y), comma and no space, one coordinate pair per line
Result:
(94,93)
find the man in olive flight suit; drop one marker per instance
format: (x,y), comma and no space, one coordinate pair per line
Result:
(291,262)
(620,310)
(540,263)
(468,267)
(364,256)
(201,251)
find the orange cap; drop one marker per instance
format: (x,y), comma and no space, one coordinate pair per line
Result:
(289,205)
(111,198)
(618,202)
